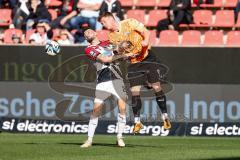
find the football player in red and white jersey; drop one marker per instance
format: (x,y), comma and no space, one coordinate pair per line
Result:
(109,82)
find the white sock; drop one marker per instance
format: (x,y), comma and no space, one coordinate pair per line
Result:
(164,116)
(136,119)
(92,127)
(120,125)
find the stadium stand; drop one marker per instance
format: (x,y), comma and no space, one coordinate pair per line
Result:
(5,17)
(208,19)
(8,34)
(237,25)
(202,18)
(153,37)
(216,4)
(169,37)
(224,18)
(164,3)
(127,3)
(233,38)
(230,3)
(28,34)
(191,37)
(213,38)
(53,3)
(146,3)
(137,14)
(155,16)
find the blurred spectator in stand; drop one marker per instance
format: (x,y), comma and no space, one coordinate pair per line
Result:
(65,38)
(237,10)
(16,39)
(21,13)
(42,34)
(89,12)
(163,24)
(67,11)
(11,3)
(180,12)
(38,11)
(113,6)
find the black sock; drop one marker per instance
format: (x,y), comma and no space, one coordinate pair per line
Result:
(136,105)
(161,101)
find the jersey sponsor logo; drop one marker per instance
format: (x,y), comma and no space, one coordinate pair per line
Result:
(93,54)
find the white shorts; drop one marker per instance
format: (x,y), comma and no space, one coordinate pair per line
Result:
(106,89)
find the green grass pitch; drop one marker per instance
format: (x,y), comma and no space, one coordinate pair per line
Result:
(66,147)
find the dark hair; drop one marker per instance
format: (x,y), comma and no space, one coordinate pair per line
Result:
(106,14)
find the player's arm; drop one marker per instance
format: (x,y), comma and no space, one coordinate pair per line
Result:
(109,59)
(93,54)
(138,26)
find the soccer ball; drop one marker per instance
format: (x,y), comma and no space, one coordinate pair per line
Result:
(52,48)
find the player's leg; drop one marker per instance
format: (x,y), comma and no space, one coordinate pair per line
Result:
(136,108)
(153,77)
(119,91)
(101,94)
(121,122)
(161,101)
(92,125)
(137,78)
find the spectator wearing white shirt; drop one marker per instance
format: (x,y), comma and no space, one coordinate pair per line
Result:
(88,14)
(65,38)
(42,34)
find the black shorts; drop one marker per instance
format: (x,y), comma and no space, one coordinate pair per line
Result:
(149,70)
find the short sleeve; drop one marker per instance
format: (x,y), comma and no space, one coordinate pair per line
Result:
(91,53)
(136,25)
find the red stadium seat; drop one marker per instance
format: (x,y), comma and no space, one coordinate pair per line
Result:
(102,35)
(146,3)
(213,38)
(53,13)
(202,18)
(155,16)
(153,37)
(230,3)
(164,3)
(127,3)
(169,37)
(137,14)
(56,34)
(216,4)
(5,17)
(233,38)
(53,3)
(28,34)
(191,37)
(224,18)
(9,33)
